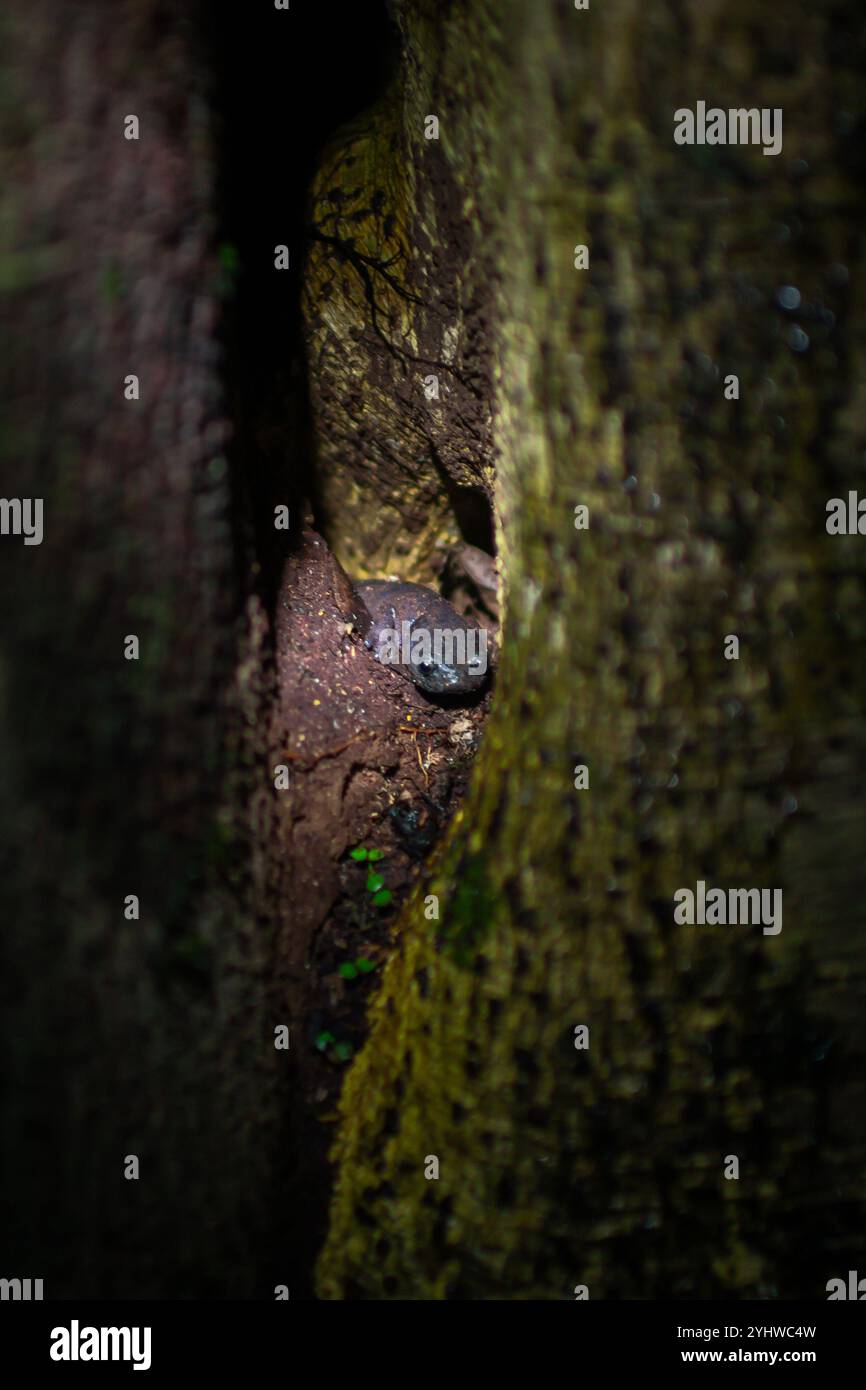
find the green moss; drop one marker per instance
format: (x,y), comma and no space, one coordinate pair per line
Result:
(604,1166)
(469,911)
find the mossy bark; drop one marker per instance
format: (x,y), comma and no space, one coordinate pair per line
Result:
(399,355)
(604,387)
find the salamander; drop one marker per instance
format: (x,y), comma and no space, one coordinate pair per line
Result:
(420,635)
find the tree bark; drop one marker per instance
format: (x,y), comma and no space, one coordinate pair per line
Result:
(148,1037)
(605,388)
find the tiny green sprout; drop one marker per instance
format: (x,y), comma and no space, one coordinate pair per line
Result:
(343,1051)
(375,855)
(323,1040)
(351,969)
(374,883)
(383,898)
(360,854)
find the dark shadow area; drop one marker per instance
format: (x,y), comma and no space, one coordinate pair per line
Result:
(284,81)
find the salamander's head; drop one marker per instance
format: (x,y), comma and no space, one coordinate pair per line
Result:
(450,678)
(418,634)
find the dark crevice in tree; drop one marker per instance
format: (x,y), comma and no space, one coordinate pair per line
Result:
(283,82)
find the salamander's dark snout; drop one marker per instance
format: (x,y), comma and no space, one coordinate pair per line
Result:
(447,678)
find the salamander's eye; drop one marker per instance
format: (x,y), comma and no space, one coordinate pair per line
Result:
(425,667)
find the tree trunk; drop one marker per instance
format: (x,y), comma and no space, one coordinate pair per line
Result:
(605,388)
(146,1036)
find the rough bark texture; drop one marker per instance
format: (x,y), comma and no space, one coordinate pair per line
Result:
(605,387)
(149,1037)
(399,355)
